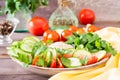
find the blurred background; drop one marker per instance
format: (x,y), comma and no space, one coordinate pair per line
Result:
(106,10)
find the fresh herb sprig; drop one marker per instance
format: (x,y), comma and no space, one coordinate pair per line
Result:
(91,42)
(12,6)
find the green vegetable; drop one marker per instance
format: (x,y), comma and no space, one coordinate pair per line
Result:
(48,58)
(12,6)
(71,62)
(41,62)
(81,53)
(91,42)
(65,51)
(22,50)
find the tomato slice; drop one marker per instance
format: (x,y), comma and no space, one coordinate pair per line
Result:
(35,60)
(53,63)
(107,55)
(67,55)
(59,63)
(92,59)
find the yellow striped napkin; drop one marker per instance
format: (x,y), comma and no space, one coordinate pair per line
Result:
(93,74)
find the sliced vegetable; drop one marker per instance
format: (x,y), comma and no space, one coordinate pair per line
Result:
(27,43)
(54,58)
(35,60)
(23,56)
(59,63)
(92,59)
(48,58)
(53,63)
(100,54)
(71,62)
(81,54)
(41,62)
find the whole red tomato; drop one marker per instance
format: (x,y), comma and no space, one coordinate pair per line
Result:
(51,35)
(86,16)
(37,26)
(65,34)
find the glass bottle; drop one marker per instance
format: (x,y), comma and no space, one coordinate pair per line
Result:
(63,16)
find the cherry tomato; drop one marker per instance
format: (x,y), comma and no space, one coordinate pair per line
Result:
(51,35)
(92,28)
(59,63)
(86,16)
(53,63)
(65,34)
(35,60)
(92,59)
(73,28)
(80,31)
(37,26)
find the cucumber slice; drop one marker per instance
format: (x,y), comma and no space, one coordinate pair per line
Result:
(26,47)
(48,58)
(32,38)
(23,56)
(71,62)
(54,53)
(82,54)
(27,43)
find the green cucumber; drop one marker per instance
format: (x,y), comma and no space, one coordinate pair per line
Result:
(71,62)
(27,43)
(26,47)
(23,56)
(31,38)
(81,53)
(48,58)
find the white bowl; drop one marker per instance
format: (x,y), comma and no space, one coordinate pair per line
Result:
(47,72)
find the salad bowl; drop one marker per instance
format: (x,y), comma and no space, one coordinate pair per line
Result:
(52,71)
(73,56)
(48,72)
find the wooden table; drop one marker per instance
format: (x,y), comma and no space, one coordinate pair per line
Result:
(10,70)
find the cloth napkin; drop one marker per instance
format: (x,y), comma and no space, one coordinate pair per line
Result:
(102,72)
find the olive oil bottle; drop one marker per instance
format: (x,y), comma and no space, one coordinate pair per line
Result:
(63,16)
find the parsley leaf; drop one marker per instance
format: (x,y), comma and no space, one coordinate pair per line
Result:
(91,42)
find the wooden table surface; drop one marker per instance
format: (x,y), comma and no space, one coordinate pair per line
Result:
(9,70)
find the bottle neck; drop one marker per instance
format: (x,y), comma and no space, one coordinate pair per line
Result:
(63,3)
